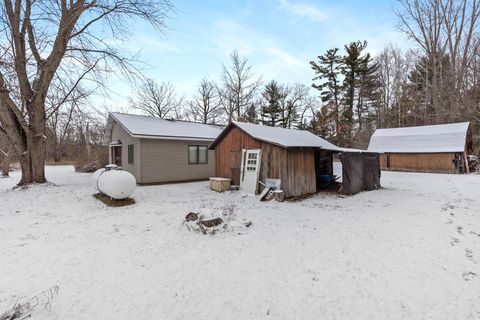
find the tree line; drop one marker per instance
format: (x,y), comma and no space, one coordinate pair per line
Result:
(434,82)
(47,79)
(49,50)
(239,95)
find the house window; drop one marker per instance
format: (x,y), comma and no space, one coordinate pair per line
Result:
(130,154)
(197,155)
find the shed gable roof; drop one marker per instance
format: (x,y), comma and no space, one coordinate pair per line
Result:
(286,138)
(422,139)
(157,128)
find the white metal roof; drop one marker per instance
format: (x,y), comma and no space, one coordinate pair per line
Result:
(156,128)
(423,139)
(286,137)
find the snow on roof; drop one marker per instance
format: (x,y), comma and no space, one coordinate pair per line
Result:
(152,127)
(285,137)
(423,139)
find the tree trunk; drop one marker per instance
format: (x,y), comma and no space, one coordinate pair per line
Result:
(30,150)
(37,159)
(6,165)
(32,161)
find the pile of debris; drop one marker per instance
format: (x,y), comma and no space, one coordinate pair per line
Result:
(271,190)
(194,221)
(473,163)
(23,310)
(90,166)
(212,222)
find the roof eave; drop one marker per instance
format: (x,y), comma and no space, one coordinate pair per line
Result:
(158,137)
(416,151)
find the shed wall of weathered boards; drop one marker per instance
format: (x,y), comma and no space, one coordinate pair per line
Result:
(300,177)
(295,167)
(228,154)
(422,162)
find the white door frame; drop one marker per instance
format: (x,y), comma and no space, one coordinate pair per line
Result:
(249,177)
(111,145)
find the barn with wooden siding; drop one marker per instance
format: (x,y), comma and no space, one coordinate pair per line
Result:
(437,148)
(247,153)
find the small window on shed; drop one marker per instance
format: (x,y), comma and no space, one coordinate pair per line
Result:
(130,154)
(197,155)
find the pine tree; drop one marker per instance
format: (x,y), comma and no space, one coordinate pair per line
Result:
(422,83)
(251,114)
(369,94)
(328,70)
(356,65)
(321,123)
(271,110)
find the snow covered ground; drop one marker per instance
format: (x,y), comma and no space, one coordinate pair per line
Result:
(408,251)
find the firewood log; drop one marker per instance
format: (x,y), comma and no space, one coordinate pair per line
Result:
(211,223)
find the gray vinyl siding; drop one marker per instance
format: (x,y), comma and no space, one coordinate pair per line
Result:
(118,133)
(167,161)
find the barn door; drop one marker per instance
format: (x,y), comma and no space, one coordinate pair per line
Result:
(250,170)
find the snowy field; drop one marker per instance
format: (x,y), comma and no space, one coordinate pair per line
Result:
(408,251)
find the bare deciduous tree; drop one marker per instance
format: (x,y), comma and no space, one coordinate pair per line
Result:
(157,99)
(44,40)
(422,22)
(239,87)
(205,105)
(62,107)
(295,101)
(444,30)
(307,111)
(393,74)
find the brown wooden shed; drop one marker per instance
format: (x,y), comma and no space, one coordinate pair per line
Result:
(296,157)
(436,148)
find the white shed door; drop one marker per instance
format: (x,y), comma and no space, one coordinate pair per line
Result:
(250,170)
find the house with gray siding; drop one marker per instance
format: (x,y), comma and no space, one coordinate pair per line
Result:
(158,150)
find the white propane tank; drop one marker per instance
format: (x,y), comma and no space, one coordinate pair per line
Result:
(114,182)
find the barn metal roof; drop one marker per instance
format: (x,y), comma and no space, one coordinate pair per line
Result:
(140,126)
(422,139)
